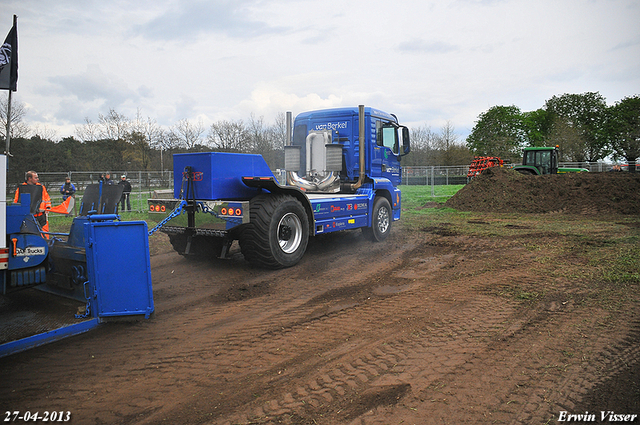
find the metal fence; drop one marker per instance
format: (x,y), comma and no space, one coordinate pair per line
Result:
(435,175)
(143,184)
(457,174)
(593,167)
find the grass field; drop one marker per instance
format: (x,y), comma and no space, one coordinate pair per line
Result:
(412,198)
(613,250)
(603,249)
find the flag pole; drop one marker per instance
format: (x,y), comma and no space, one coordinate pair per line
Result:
(8,137)
(7,152)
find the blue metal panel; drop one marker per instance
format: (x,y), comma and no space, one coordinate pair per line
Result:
(324,208)
(26,250)
(17,212)
(340,213)
(24,344)
(397,203)
(218,175)
(383,186)
(344,223)
(119,268)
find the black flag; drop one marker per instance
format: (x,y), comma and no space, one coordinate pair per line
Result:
(9,59)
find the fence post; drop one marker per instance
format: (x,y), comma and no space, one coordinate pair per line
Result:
(140,191)
(433,187)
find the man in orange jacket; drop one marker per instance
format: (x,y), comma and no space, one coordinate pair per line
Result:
(40,200)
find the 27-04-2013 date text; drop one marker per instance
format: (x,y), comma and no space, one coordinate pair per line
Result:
(46,416)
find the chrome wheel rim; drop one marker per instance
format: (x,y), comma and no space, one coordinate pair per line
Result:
(289,233)
(383,220)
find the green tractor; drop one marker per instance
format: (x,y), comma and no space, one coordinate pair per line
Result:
(537,161)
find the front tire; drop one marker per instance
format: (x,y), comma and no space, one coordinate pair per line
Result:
(380,222)
(278,232)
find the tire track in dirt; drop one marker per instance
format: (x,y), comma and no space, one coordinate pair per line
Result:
(175,361)
(388,368)
(251,349)
(617,356)
(265,347)
(381,375)
(229,335)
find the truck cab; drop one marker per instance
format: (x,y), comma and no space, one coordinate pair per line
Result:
(385,143)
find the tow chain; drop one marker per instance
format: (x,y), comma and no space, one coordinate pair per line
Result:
(186,178)
(87,310)
(176,212)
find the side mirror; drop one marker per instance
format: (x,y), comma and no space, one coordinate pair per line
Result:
(406,143)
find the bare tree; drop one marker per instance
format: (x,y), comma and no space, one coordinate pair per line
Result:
(450,150)
(186,134)
(143,135)
(45,133)
(228,136)
(265,141)
(149,128)
(114,126)
(278,137)
(279,131)
(423,147)
(87,132)
(260,142)
(18,111)
(166,140)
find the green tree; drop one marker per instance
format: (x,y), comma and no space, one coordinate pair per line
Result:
(537,126)
(569,139)
(75,155)
(106,154)
(138,151)
(586,113)
(623,128)
(498,132)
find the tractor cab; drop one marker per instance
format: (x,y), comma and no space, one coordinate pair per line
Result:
(538,161)
(544,160)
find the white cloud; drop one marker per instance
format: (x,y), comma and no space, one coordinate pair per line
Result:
(429,62)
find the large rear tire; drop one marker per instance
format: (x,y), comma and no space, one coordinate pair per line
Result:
(278,232)
(380,222)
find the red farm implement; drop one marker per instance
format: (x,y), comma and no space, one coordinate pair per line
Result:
(481,163)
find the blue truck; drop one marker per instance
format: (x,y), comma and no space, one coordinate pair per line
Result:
(342,170)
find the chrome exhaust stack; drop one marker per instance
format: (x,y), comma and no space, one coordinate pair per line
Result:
(323,162)
(361,129)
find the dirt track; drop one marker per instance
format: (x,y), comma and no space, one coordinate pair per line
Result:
(429,327)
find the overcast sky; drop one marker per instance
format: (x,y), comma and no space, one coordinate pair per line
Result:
(428,62)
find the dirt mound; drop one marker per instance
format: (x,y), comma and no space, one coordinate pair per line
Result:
(505,190)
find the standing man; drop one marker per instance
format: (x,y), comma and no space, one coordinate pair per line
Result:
(67,189)
(126,191)
(40,200)
(107,178)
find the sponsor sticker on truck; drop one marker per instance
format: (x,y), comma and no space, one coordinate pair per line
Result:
(29,251)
